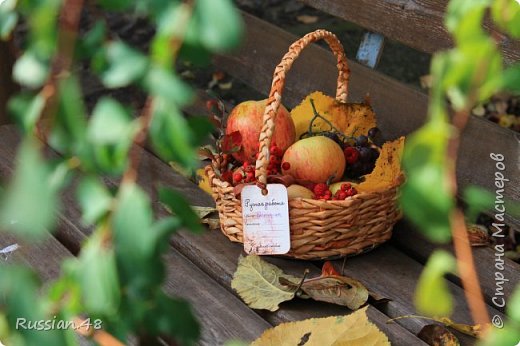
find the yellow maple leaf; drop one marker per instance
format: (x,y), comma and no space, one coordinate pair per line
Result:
(352,119)
(203,180)
(351,330)
(387,170)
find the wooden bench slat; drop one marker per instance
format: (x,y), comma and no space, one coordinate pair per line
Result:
(44,257)
(400,109)
(419,248)
(418,24)
(222,315)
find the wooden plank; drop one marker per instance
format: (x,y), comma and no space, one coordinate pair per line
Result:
(390,271)
(489,266)
(65,231)
(222,315)
(400,109)
(418,24)
(44,257)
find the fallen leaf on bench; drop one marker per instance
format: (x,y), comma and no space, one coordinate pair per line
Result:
(437,335)
(333,288)
(255,280)
(387,170)
(258,283)
(478,235)
(340,290)
(202,212)
(351,330)
(213,223)
(475,331)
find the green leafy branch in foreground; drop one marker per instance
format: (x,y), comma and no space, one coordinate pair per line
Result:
(117,277)
(466,75)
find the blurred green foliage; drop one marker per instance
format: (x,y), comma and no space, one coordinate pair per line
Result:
(119,273)
(463,77)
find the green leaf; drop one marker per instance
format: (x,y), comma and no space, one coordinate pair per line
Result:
(506,13)
(432,296)
(8,18)
(30,202)
(478,200)
(170,25)
(30,71)
(511,79)
(513,306)
(94,199)
(176,203)
(96,272)
(464,19)
(425,197)
(219,24)
(116,5)
(258,283)
(201,127)
(41,17)
(68,133)
(174,317)
(21,303)
(110,134)
(26,109)
(90,43)
(473,66)
(171,135)
(125,65)
(507,336)
(164,84)
(110,123)
(132,222)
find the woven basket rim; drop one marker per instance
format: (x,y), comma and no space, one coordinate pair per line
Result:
(397,183)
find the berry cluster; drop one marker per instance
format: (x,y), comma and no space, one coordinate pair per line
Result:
(361,155)
(322,191)
(345,191)
(244,174)
(275,160)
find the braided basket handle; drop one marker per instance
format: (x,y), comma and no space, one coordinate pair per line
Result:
(275,96)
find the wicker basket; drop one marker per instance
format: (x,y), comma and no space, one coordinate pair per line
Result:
(319,229)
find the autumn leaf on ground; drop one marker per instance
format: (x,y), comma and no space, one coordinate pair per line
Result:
(333,288)
(387,170)
(437,335)
(207,217)
(351,330)
(475,330)
(258,283)
(352,119)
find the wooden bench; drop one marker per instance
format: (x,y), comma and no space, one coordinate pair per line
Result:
(200,267)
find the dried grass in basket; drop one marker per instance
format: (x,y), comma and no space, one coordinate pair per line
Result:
(319,229)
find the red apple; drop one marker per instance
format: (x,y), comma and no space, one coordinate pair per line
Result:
(314,159)
(247,118)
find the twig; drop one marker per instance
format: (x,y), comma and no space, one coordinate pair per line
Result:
(130,174)
(463,253)
(70,15)
(100,336)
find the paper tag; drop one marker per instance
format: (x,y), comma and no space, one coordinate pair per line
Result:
(266,220)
